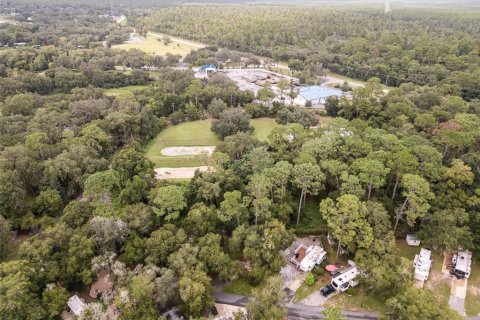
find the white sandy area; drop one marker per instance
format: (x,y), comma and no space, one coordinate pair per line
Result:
(186,151)
(179,173)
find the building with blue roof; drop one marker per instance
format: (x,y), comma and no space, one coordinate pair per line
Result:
(316,95)
(208,69)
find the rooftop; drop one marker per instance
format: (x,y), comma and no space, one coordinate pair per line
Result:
(76,305)
(208,66)
(318,92)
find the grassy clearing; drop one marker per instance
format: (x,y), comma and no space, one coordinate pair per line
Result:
(305,290)
(195,133)
(241,287)
(472,301)
(352,300)
(123,92)
(153,44)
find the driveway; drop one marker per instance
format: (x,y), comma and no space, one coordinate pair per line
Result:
(457,295)
(316,299)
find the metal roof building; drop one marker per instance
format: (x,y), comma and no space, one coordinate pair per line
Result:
(316,95)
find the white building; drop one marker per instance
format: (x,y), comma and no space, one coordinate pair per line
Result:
(307,258)
(345,278)
(316,96)
(422,264)
(76,305)
(413,240)
(462,264)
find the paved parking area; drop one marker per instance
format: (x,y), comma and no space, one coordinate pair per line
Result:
(457,295)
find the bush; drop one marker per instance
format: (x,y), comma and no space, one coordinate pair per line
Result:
(309,279)
(230,122)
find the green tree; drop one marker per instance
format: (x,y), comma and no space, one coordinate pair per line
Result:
(309,179)
(268,301)
(346,218)
(12,194)
(371,172)
(232,208)
(6,235)
(416,303)
(334,313)
(169,201)
(416,192)
(54,300)
(266,93)
(195,292)
(49,202)
(231,121)
(163,242)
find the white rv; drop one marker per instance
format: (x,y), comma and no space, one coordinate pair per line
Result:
(307,258)
(462,264)
(345,278)
(422,264)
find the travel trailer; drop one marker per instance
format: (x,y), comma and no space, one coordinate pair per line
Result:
(462,264)
(422,264)
(345,278)
(307,258)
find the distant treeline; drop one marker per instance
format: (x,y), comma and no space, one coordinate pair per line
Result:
(420,46)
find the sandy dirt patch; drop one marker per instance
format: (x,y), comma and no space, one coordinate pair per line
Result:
(179,173)
(186,151)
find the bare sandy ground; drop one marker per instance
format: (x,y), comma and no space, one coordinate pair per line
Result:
(178,173)
(186,151)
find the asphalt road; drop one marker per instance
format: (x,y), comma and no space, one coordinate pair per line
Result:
(295,311)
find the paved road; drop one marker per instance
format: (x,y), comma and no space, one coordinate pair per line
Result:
(295,311)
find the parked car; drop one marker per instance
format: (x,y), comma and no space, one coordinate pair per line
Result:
(327,290)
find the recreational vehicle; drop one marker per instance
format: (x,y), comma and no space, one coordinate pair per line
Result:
(307,258)
(345,278)
(422,264)
(462,264)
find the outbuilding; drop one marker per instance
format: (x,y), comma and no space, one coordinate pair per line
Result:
(412,240)
(76,305)
(208,69)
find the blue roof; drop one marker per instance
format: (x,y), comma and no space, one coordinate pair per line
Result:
(208,66)
(318,92)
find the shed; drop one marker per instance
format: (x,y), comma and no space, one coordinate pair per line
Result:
(208,68)
(413,240)
(76,305)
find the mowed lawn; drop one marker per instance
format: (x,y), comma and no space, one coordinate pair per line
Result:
(195,133)
(153,44)
(123,92)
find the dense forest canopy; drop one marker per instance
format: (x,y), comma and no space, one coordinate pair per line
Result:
(360,43)
(78,195)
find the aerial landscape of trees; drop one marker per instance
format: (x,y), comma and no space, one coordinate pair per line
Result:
(78,193)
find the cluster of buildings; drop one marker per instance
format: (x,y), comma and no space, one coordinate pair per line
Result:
(461,264)
(313,96)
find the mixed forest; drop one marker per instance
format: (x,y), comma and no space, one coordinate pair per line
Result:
(78,190)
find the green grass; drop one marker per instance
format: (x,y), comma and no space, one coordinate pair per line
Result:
(241,287)
(311,222)
(305,290)
(263,127)
(153,44)
(406,251)
(123,92)
(195,133)
(352,300)
(472,301)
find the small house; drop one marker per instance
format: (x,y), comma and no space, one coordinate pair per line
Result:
(76,305)
(413,240)
(345,277)
(462,264)
(316,96)
(306,258)
(422,264)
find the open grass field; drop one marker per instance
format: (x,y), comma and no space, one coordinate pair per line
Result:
(123,92)
(153,43)
(195,133)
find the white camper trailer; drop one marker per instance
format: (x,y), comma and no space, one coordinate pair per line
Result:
(345,278)
(462,264)
(307,258)
(422,264)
